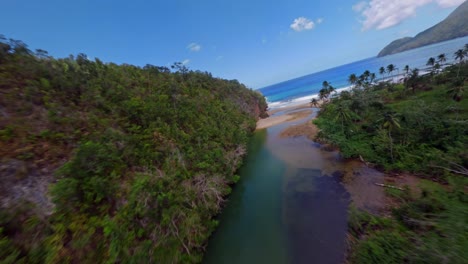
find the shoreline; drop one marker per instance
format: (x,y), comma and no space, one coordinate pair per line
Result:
(291,113)
(358,177)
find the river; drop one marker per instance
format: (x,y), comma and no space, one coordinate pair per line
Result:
(290,205)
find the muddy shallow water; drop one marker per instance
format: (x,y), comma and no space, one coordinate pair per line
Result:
(290,205)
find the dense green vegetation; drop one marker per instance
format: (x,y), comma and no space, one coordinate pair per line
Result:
(418,126)
(454,26)
(139,159)
(430,227)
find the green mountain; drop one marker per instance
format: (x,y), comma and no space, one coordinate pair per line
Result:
(454,26)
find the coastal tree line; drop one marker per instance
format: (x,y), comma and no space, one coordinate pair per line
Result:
(416,125)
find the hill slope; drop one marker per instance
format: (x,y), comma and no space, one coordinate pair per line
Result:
(106,163)
(454,26)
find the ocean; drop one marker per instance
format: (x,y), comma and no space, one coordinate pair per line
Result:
(303,89)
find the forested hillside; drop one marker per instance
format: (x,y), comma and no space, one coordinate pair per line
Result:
(114,163)
(418,126)
(454,26)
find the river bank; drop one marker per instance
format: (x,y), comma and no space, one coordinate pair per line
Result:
(365,184)
(292,200)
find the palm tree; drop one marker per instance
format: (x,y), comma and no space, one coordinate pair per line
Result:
(326,90)
(382,72)
(457,90)
(314,102)
(430,62)
(323,94)
(407,69)
(436,67)
(459,55)
(343,114)
(366,74)
(331,89)
(412,79)
(390,123)
(352,79)
(372,78)
(441,59)
(390,69)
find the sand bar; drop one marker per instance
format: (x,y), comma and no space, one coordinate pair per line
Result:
(275,120)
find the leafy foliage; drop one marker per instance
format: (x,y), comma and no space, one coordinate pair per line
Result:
(430,228)
(143,156)
(419,126)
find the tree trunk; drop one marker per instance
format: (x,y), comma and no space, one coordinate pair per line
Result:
(391,144)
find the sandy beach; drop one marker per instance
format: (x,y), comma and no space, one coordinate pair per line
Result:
(275,120)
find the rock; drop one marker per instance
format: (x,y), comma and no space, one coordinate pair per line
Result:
(22,181)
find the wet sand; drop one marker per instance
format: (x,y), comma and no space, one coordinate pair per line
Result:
(358,178)
(276,120)
(307,129)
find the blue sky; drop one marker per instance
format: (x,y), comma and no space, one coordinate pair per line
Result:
(258,43)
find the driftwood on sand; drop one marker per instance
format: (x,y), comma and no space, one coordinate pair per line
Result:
(388,186)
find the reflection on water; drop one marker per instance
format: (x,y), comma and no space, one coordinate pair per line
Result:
(315,216)
(290,205)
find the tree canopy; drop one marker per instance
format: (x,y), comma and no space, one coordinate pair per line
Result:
(138,160)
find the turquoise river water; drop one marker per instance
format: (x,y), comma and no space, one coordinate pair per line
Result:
(290,205)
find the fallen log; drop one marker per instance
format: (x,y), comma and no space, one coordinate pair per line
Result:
(388,186)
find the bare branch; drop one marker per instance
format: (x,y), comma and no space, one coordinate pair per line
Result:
(388,186)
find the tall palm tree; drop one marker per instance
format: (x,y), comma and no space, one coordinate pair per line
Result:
(459,55)
(406,69)
(323,93)
(314,102)
(352,79)
(331,89)
(343,114)
(441,59)
(382,72)
(327,89)
(430,62)
(325,85)
(390,123)
(372,78)
(390,69)
(412,79)
(366,74)
(457,90)
(437,67)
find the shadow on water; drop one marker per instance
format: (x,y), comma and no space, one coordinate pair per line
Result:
(250,229)
(315,216)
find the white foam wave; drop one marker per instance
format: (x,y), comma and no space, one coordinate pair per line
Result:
(300,100)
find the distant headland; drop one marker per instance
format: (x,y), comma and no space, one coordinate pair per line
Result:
(454,26)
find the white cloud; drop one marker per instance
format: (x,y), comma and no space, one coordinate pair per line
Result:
(381,14)
(359,6)
(186,61)
(319,20)
(302,23)
(194,47)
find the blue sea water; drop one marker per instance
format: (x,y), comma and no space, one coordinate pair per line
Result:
(302,89)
